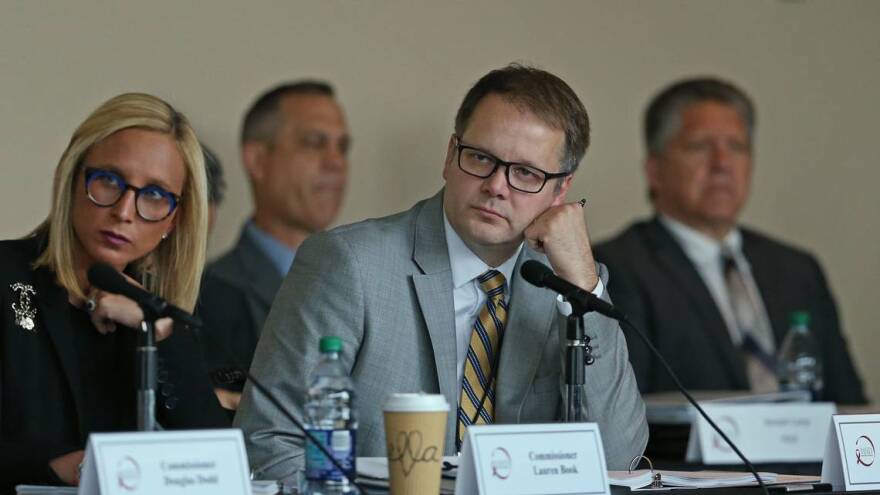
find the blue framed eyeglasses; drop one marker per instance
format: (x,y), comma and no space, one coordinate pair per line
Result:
(105,188)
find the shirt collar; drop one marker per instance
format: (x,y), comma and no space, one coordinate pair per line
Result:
(278,253)
(466,266)
(699,247)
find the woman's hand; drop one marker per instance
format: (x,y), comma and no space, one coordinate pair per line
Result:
(66,467)
(107,310)
(228,399)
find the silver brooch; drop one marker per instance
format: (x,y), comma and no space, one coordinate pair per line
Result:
(25,311)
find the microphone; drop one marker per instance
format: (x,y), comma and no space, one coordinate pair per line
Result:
(106,278)
(540,275)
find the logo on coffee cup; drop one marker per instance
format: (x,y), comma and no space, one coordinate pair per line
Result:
(128,474)
(500,462)
(409,450)
(864,451)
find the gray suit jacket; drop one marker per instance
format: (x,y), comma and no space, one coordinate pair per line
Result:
(385,287)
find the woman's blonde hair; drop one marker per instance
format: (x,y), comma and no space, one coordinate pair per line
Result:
(173,270)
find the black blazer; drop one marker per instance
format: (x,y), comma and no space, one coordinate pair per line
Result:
(45,409)
(237,293)
(656,285)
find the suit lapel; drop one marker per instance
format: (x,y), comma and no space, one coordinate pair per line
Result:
(263,277)
(55,308)
(525,336)
(434,292)
(679,269)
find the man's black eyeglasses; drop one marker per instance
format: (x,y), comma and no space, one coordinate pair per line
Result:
(522,177)
(105,188)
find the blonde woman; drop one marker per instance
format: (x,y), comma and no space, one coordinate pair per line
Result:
(129,191)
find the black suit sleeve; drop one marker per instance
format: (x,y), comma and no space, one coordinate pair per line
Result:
(627,297)
(28,463)
(186,398)
(842,382)
(228,336)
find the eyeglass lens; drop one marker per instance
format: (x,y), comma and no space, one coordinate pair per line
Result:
(521,177)
(106,188)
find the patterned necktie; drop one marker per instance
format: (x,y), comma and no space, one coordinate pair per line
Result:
(478,381)
(757,338)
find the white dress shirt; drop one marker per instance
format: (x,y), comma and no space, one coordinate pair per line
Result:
(469,298)
(705,253)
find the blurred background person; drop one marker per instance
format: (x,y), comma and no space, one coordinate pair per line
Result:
(715,297)
(216,184)
(294,148)
(129,191)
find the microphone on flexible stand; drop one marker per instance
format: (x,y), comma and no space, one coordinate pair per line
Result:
(106,278)
(540,275)
(578,352)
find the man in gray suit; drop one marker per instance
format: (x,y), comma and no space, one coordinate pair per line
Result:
(406,292)
(294,148)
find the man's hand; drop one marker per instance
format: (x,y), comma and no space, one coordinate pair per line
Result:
(66,467)
(561,234)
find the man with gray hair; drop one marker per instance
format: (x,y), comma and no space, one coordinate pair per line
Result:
(294,148)
(713,296)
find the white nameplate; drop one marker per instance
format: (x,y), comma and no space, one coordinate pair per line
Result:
(851,454)
(533,459)
(762,432)
(195,462)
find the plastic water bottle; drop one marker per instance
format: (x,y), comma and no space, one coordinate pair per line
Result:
(330,417)
(799,362)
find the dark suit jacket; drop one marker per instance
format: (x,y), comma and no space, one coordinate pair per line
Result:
(237,292)
(655,283)
(44,406)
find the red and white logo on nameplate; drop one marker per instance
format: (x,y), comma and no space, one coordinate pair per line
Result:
(128,474)
(501,463)
(865,451)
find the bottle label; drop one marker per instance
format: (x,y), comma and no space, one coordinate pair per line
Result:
(341,443)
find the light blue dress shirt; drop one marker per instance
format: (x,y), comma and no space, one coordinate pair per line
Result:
(278,253)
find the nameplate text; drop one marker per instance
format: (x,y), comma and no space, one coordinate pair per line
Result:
(199,462)
(763,432)
(850,461)
(537,459)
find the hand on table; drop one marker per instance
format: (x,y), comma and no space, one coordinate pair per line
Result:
(66,467)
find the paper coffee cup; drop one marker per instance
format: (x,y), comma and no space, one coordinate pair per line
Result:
(415,430)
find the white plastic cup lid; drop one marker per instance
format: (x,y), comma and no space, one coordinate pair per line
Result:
(415,403)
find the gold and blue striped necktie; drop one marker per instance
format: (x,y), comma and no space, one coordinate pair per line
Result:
(476,404)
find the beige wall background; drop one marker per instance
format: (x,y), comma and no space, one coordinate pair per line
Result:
(401,68)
